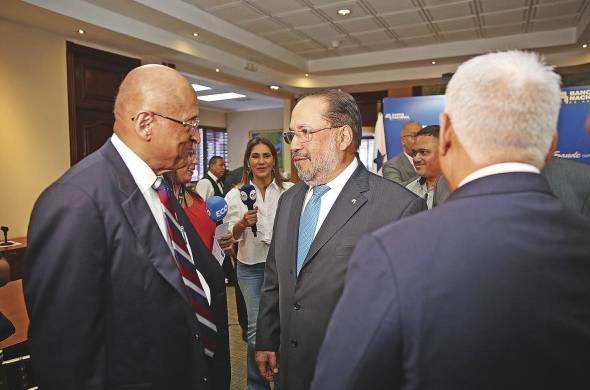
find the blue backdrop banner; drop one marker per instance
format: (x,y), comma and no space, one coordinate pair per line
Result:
(573,143)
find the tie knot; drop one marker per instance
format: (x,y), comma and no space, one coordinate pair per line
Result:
(160,184)
(319,191)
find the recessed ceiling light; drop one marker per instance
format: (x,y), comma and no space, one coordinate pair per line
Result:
(217,70)
(198,87)
(433,62)
(195,34)
(584,45)
(220,96)
(274,87)
(343,12)
(307,75)
(81,32)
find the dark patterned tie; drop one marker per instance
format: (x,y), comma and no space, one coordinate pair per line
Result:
(186,267)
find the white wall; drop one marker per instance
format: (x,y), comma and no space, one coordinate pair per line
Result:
(240,123)
(209,117)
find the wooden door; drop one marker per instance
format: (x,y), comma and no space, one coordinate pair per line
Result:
(93,80)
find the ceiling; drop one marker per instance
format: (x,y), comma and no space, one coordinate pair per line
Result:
(256,43)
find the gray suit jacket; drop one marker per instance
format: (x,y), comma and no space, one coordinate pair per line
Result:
(570,181)
(399,169)
(441,190)
(295,310)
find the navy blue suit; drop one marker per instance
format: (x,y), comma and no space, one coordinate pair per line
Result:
(108,307)
(491,290)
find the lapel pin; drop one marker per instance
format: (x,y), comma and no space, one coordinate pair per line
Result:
(353,200)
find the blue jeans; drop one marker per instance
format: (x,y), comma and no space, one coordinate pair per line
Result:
(250,278)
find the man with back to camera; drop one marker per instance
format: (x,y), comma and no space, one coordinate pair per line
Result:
(497,297)
(429,185)
(212,183)
(120,290)
(317,224)
(400,168)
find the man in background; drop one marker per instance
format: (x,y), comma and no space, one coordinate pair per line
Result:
(317,224)
(496,296)
(429,185)
(121,291)
(212,183)
(400,168)
(570,181)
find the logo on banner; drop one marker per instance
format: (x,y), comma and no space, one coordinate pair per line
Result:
(574,97)
(397,116)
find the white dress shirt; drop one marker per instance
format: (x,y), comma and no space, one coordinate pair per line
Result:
(410,158)
(495,169)
(145,177)
(329,198)
(253,250)
(205,188)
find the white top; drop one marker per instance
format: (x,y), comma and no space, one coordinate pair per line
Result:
(205,188)
(410,158)
(145,177)
(495,169)
(329,198)
(421,189)
(253,250)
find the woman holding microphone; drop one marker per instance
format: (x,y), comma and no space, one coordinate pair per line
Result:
(261,170)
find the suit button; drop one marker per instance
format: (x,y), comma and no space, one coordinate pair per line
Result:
(296,306)
(205,379)
(197,337)
(294,343)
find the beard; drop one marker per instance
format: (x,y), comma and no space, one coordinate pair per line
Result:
(321,167)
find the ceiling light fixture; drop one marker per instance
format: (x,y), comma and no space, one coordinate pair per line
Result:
(584,46)
(81,32)
(433,62)
(221,96)
(274,87)
(307,75)
(217,70)
(195,34)
(343,12)
(199,88)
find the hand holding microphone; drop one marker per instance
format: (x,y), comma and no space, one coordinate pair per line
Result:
(248,196)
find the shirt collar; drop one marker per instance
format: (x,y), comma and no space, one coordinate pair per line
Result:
(495,169)
(212,176)
(143,175)
(409,158)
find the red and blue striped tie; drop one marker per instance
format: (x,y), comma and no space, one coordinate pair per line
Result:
(186,267)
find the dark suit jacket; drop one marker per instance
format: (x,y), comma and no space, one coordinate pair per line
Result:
(294,311)
(490,290)
(399,169)
(570,181)
(107,305)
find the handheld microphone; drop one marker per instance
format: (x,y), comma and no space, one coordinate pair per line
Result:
(248,195)
(216,210)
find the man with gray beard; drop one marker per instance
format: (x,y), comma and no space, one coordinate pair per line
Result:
(318,221)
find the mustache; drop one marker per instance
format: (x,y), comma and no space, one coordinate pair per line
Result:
(299,154)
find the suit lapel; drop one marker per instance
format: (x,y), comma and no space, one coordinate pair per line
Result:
(350,200)
(141,220)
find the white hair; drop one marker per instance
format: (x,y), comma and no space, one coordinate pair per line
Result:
(504,105)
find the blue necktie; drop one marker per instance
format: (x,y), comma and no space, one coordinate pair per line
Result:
(308,222)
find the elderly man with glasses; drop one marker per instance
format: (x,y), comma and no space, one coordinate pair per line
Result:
(120,290)
(317,224)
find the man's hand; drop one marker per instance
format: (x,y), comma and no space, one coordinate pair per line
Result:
(267,364)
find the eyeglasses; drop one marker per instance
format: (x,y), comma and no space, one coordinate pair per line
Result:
(304,135)
(413,136)
(191,126)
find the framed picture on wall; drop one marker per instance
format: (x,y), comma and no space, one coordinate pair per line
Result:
(274,136)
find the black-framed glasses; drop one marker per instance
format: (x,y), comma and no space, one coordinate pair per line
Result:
(303,135)
(191,126)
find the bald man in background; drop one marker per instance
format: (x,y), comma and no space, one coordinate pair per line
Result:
(108,306)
